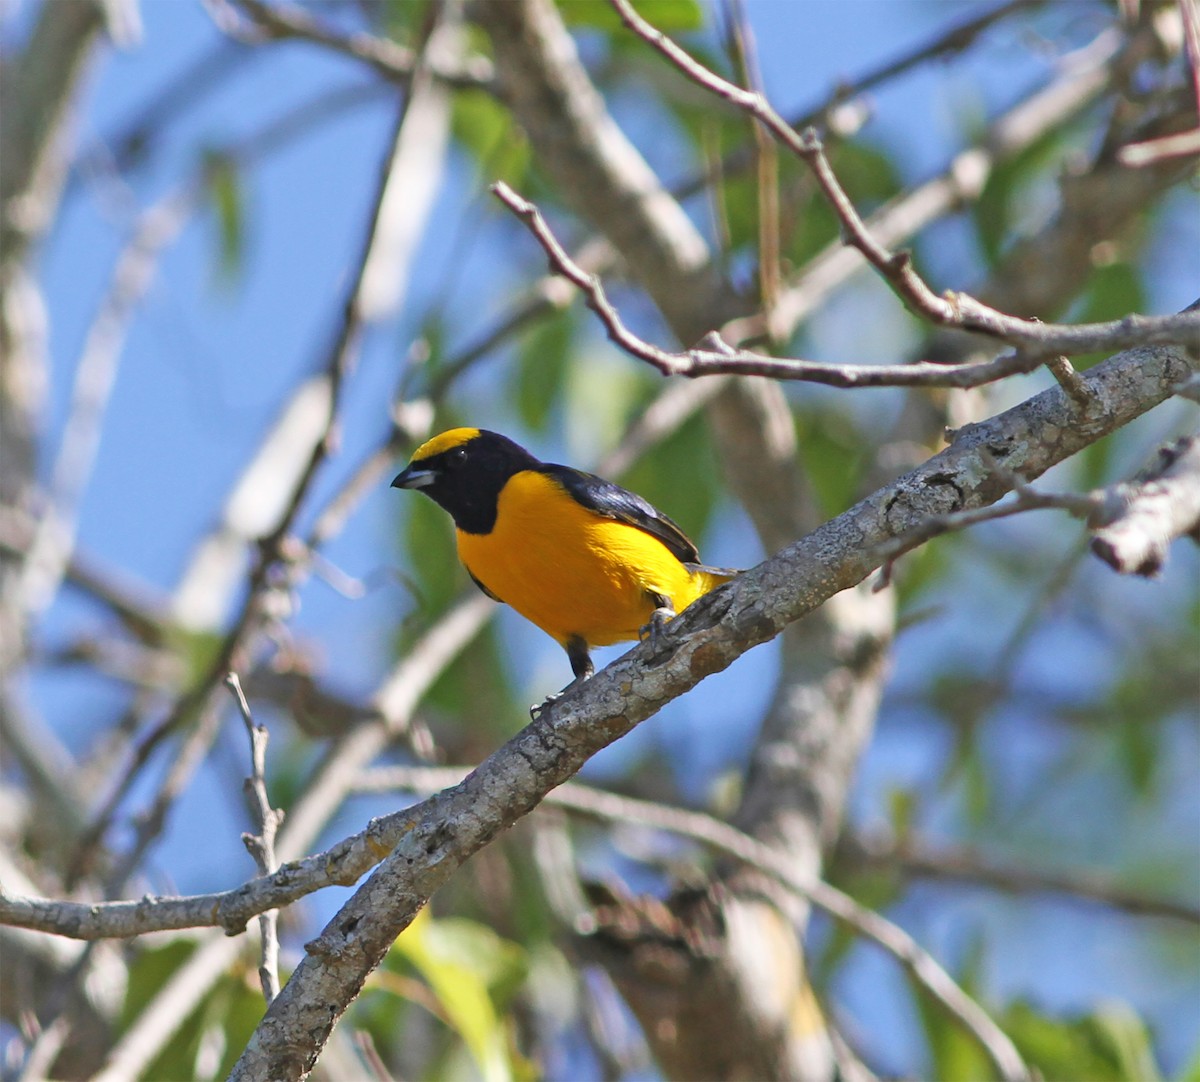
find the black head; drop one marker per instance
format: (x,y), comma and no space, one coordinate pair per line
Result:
(463,470)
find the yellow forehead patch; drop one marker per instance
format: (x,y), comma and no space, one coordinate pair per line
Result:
(454,437)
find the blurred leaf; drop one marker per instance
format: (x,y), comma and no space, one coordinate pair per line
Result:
(463,962)
(476,689)
(197,649)
(224,181)
(1094,464)
(739,208)
(903,805)
(542,368)
(866,172)
(1008,184)
(834,458)
(1112,1045)
(956,1055)
(977,785)
(232,1008)
(1122,1030)
(1113,291)
(681,477)
(665,15)
(1137,745)
(431,555)
(152,967)
(603,393)
(1191,1072)
(876,886)
(402,20)
(486,129)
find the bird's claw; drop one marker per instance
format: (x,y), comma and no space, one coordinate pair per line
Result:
(537,709)
(657,623)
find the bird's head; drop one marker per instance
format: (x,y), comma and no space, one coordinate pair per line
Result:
(464,470)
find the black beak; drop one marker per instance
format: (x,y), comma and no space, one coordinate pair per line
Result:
(413,477)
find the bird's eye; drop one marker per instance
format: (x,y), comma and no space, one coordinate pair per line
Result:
(460,456)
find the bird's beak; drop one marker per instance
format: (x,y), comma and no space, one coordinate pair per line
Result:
(414,478)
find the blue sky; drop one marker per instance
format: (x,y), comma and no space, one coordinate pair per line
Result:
(208,362)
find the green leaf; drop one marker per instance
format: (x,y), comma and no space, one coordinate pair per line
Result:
(1008,188)
(461,960)
(832,449)
(681,477)
(542,369)
(903,805)
(402,20)
(197,649)
(1126,1034)
(229,1013)
(956,1055)
(1113,291)
(1191,1071)
(431,554)
(1112,1045)
(665,15)
(486,129)
(224,182)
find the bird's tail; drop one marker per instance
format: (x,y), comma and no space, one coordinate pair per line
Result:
(709,578)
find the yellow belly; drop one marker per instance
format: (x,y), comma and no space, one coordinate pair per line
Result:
(571,572)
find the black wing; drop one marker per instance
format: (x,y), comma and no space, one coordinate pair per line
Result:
(613,501)
(482,587)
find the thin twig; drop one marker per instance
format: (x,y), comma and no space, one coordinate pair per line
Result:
(261,846)
(50,551)
(1025,498)
(264,579)
(393,61)
(952,309)
(967,865)
(716,357)
(1063,371)
(731,842)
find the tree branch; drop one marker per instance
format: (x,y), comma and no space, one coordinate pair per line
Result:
(719,358)
(966,864)
(953,309)
(729,841)
(1141,519)
(705,638)
(261,846)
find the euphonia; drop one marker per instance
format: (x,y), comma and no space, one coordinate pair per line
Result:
(587,561)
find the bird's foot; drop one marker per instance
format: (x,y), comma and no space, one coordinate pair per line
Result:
(653,629)
(538,709)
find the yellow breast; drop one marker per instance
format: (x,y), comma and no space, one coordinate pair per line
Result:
(570,571)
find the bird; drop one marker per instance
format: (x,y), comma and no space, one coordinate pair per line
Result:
(585,560)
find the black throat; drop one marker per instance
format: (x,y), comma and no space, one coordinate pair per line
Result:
(470,478)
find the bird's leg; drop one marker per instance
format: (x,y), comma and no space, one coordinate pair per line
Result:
(664,610)
(581,666)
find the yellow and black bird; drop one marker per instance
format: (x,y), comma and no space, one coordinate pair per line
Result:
(587,561)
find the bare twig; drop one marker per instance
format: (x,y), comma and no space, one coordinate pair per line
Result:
(261,846)
(439,835)
(715,356)
(966,864)
(951,309)
(727,840)
(50,550)
(1139,520)
(1063,371)
(1024,499)
(372,289)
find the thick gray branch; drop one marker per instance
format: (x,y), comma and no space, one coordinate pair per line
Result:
(1163,503)
(704,639)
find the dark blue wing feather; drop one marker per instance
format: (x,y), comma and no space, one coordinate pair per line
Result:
(613,501)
